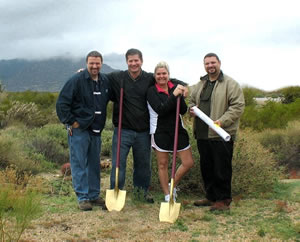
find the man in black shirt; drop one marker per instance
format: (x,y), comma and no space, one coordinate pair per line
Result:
(135,122)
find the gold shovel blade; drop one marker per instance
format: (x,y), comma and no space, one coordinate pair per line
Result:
(169,212)
(115,199)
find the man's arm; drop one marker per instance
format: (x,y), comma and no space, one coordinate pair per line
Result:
(64,102)
(236,105)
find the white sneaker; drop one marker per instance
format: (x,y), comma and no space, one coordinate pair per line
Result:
(167,198)
(174,192)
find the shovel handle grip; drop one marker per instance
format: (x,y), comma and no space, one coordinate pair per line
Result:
(176,137)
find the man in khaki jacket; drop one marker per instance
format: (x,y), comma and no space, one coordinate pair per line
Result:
(221,98)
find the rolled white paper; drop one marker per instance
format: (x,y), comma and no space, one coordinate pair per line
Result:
(211,123)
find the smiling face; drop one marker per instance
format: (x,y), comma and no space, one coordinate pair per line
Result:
(161,76)
(134,64)
(93,65)
(212,66)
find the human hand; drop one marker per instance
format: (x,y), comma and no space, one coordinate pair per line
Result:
(178,90)
(191,111)
(218,123)
(75,125)
(185,91)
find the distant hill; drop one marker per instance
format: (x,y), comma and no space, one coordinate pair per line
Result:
(40,75)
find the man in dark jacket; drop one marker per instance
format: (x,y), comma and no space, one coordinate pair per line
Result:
(81,105)
(135,122)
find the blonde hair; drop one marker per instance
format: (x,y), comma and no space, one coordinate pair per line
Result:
(162,64)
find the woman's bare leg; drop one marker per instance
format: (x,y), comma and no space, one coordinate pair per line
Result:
(162,163)
(187,163)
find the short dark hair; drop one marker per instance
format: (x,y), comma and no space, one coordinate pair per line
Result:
(94,53)
(134,52)
(211,55)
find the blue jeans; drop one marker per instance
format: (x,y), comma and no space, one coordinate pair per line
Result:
(85,164)
(141,150)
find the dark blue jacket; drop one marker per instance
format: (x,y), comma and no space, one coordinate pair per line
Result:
(76,100)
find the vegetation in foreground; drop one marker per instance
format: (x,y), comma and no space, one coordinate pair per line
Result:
(32,142)
(273,216)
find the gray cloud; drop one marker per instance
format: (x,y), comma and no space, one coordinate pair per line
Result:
(176,31)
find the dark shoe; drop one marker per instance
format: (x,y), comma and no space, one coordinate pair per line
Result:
(220,206)
(203,202)
(148,198)
(228,201)
(85,206)
(98,202)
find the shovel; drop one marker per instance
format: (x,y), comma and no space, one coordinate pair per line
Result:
(115,198)
(169,211)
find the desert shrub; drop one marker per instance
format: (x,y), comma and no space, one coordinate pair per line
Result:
(272,115)
(255,170)
(51,142)
(27,113)
(106,138)
(290,94)
(12,153)
(249,95)
(5,105)
(56,132)
(43,100)
(109,111)
(18,205)
(50,149)
(284,144)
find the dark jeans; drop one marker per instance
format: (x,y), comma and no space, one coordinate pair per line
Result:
(216,168)
(141,150)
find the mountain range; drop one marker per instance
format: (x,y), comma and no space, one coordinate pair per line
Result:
(40,75)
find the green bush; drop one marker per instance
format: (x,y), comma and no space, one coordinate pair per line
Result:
(5,105)
(43,100)
(12,154)
(290,94)
(14,151)
(284,144)
(255,170)
(106,146)
(270,116)
(249,95)
(51,142)
(18,206)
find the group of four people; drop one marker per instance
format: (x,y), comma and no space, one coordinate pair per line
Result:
(148,120)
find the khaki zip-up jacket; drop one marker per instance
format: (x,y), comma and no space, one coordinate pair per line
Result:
(227,103)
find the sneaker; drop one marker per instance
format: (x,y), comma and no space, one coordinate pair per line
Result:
(203,202)
(98,202)
(220,206)
(85,205)
(148,198)
(167,198)
(174,192)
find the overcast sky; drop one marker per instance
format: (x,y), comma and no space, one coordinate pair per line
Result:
(258,41)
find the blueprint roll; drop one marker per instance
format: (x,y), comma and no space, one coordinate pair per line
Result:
(225,136)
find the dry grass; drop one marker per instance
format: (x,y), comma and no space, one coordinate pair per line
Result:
(139,222)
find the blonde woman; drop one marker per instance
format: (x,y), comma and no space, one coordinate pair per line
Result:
(162,109)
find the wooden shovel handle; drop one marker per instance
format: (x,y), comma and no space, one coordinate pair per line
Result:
(176,137)
(119,127)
